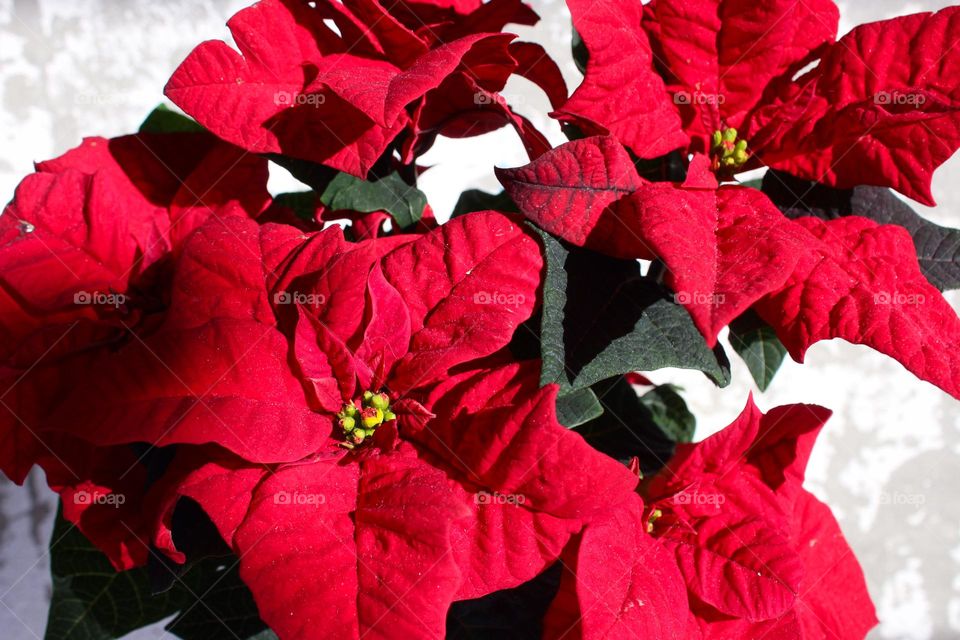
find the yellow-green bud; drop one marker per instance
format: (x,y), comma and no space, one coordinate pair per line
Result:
(347,423)
(730,135)
(372,417)
(389,415)
(380,401)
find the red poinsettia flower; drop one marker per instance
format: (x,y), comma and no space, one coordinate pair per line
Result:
(86,248)
(382,452)
(727,248)
(759,555)
(340,96)
(728,78)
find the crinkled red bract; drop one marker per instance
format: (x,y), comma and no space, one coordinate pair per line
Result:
(86,247)
(407,521)
(727,248)
(733,510)
(268,332)
(881,106)
(340,98)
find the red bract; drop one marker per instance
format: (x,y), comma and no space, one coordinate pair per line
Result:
(727,248)
(879,106)
(86,248)
(860,281)
(620,582)
(273,339)
(412,516)
(300,88)
(757,551)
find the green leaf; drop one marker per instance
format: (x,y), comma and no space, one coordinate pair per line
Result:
(477,200)
(509,614)
(578,407)
(602,318)
(627,428)
(580,53)
(390,193)
(938,248)
(669,411)
(343,192)
(165,120)
(757,344)
(91,601)
(302,203)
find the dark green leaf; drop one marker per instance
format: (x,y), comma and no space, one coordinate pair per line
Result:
(580,53)
(938,248)
(602,318)
(669,411)
(390,193)
(164,120)
(91,601)
(758,345)
(477,200)
(577,407)
(302,203)
(627,428)
(510,614)
(344,192)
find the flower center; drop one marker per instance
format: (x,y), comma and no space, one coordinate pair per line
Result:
(360,418)
(728,153)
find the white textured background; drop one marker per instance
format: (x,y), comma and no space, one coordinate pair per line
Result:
(888,462)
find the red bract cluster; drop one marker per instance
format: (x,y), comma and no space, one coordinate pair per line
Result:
(406,429)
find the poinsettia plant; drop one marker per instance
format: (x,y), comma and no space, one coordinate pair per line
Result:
(331,414)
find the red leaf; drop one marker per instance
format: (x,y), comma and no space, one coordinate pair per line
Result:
(372,536)
(536,66)
(499,431)
(568,191)
(882,108)
(734,509)
(724,248)
(621,93)
(200,377)
(468,285)
(737,563)
(832,576)
(619,582)
(722,54)
(861,282)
